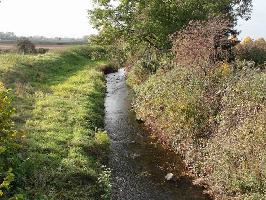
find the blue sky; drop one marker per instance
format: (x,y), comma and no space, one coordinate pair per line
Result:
(69,18)
(256,27)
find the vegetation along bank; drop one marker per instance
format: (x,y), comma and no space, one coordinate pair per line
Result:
(201,91)
(214,117)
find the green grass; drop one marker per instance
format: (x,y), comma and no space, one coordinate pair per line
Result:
(59,98)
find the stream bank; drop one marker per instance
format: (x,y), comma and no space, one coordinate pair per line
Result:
(139,165)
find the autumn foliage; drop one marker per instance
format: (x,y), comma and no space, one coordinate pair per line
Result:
(253,50)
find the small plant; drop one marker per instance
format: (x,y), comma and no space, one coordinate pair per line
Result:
(104,181)
(108,68)
(209,109)
(102,138)
(42,50)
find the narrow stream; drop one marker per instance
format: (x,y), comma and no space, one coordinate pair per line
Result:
(138,164)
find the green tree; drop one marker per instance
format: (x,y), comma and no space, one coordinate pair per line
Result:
(152,21)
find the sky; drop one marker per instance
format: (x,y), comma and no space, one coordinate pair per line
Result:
(50,18)
(256,27)
(69,18)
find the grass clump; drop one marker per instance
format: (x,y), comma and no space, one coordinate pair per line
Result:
(59,98)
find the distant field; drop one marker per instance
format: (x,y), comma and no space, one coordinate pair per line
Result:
(7,46)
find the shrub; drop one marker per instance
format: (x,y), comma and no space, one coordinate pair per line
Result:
(147,62)
(8,145)
(202,43)
(25,46)
(137,76)
(108,68)
(116,54)
(98,52)
(5,51)
(251,50)
(42,50)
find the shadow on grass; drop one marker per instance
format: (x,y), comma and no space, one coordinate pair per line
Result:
(56,164)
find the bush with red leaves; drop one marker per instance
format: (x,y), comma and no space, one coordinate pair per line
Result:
(203,43)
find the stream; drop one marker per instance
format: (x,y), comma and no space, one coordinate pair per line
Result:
(139,165)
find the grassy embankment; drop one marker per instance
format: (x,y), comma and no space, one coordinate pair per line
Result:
(59,102)
(217,122)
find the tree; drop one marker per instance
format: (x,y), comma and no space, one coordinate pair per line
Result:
(253,50)
(152,21)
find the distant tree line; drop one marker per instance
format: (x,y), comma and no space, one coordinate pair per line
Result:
(10,36)
(7,36)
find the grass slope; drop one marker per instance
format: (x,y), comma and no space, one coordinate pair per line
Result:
(59,98)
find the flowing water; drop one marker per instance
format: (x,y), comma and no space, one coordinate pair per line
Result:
(138,164)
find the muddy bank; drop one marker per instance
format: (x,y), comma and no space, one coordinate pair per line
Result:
(139,165)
